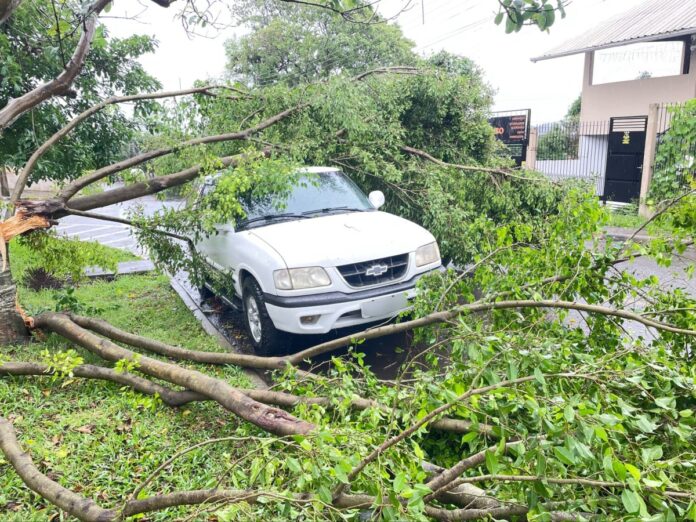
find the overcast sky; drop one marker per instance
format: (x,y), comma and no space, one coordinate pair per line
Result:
(460,26)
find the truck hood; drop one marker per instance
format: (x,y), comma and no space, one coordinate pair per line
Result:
(339,239)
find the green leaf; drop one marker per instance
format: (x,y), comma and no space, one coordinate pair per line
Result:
(569,414)
(491,462)
(644,424)
(498,18)
(619,469)
(294,465)
(630,501)
(399,482)
(650,454)
(564,455)
(340,474)
(601,433)
(539,376)
(634,471)
(324,494)
(667,403)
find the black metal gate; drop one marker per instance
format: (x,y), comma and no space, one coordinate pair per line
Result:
(625,158)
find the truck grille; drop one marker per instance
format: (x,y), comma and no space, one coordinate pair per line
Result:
(375,272)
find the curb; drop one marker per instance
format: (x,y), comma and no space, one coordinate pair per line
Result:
(141,266)
(621,236)
(255,376)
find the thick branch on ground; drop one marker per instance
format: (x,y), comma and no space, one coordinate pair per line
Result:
(441,484)
(252,361)
(465,495)
(31,162)
(72,188)
(87,510)
(89,371)
(69,501)
(670,493)
(61,83)
(267,418)
(446,315)
(468,168)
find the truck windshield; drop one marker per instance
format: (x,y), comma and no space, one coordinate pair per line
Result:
(314,193)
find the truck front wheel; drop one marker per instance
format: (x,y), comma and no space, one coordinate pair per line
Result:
(264,336)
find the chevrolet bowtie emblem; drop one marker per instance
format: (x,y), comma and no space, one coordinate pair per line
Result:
(376,270)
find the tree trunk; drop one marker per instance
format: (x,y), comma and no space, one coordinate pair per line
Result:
(12,329)
(7,7)
(4,186)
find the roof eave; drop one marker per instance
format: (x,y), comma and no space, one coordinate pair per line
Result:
(649,38)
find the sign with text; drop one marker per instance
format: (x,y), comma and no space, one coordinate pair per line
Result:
(512,129)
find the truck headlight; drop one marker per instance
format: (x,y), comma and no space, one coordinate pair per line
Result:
(427,254)
(300,278)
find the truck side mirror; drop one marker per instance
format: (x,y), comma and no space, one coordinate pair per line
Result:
(376,197)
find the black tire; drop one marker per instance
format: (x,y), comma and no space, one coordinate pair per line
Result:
(263,335)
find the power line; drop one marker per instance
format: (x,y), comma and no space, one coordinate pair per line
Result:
(456,32)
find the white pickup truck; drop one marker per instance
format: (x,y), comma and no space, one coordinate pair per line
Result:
(329,259)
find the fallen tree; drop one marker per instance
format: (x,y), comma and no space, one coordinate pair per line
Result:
(552,421)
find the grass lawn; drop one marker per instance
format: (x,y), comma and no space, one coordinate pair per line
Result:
(103,440)
(631,220)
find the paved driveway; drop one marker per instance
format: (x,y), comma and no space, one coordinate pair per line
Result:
(112,234)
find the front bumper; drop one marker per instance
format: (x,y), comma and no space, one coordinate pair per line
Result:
(339,309)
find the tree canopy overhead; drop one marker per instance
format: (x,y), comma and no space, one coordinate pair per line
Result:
(36,43)
(294,45)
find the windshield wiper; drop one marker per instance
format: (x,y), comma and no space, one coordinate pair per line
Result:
(327,210)
(271,217)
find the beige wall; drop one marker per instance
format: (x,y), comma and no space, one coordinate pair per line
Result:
(633,98)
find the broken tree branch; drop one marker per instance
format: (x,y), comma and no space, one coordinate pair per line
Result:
(478,306)
(114,219)
(67,500)
(31,162)
(671,493)
(252,361)
(89,371)
(375,453)
(270,419)
(16,225)
(398,69)
(56,208)
(87,510)
(469,168)
(72,188)
(61,83)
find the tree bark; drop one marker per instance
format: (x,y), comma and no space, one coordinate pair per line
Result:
(61,83)
(7,7)
(12,329)
(4,185)
(273,420)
